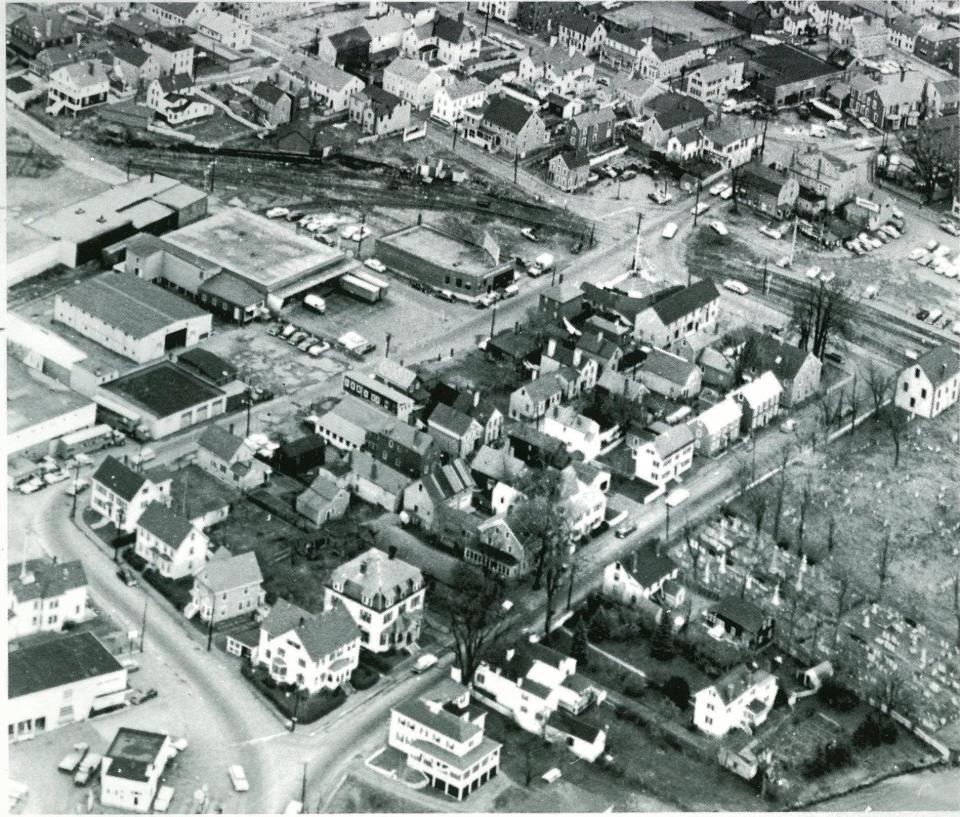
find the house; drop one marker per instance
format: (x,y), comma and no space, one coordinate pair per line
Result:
(134,65)
(580,494)
(663,60)
(760,401)
(556,69)
(492,466)
(827,180)
(323,500)
(347,425)
(176,15)
(797,370)
(442,738)
(503,10)
(714,82)
(456,433)
(456,40)
(43,596)
(581,32)
(559,302)
(412,81)
(77,88)
(532,400)
(298,456)
(457,96)
(786,75)
(171,96)
(894,103)
(133,765)
(381,395)
(621,49)
(226,588)
(384,597)
(531,683)
(902,33)
(230,459)
(646,574)
(404,448)
(576,372)
(535,448)
(517,347)
(414,14)
(591,131)
(331,87)
(379,112)
(226,30)
(274,105)
(741,699)
(613,383)
(33,30)
(943,97)
(173,53)
(509,126)
(568,171)
(348,49)
(718,369)
(716,427)
(375,482)
(484,412)
(670,114)
(580,434)
(540,16)
(670,375)
(120,494)
(497,549)
(59,680)
(732,141)
(312,651)
(683,312)
(664,456)
(685,145)
(169,543)
(940,46)
(596,346)
(743,622)
(450,484)
(931,384)
(754,18)
(586,740)
(768,191)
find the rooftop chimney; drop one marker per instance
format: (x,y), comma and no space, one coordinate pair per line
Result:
(460,17)
(303,621)
(392,552)
(363,568)
(551,347)
(90,67)
(48,25)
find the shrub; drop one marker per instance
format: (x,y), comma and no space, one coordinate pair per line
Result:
(836,696)
(677,689)
(633,689)
(135,561)
(888,731)
(364,677)
(868,732)
(176,591)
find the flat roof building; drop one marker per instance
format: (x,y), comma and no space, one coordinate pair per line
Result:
(131,317)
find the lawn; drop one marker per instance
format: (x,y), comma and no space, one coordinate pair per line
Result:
(307,708)
(854,483)
(357,797)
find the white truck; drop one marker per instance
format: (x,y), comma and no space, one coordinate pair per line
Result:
(541,264)
(316,303)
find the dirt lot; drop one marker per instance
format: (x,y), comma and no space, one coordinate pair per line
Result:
(855,482)
(679,17)
(217,128)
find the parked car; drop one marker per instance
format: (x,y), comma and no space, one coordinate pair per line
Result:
(669,230)
(660,197)
(140,696)
(628,174)
(144,455)
(73,758)
(925,260)
(129,664)
(424,662)
(238,777)
(306,343)
(719,227)
(89,765)
(287,331)
(917,253)
(295,215)
(126,577)
(53,477)
(923,314)
(593,178)
(31,485)
(813,272)
(718,188)
(891,231)
(736,286)
(788,425)
(726,194)
(277,212)
(318,349)
(949,226)
(296,337)
(529,234)
(699,209)
(375,265)
(932,244)
(881,236)
(626,529)
(162,801)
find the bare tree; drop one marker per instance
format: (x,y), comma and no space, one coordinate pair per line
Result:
(831,533)
(853,401)
(820,313)
(693,551)
(843,601)
(934,155)
(956,603)
(806,497)
(878,384)
(474,615)
(780,492)
(757,502)
(895,420)
(884,558)
(829,408)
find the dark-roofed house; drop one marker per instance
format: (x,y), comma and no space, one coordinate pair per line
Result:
(442,737)
(561,301)
(788,75)
(176,14)
(931,384)
(450,485)
(273,102)
(581,32)
(134,65)
(766,190)
(508,125)
(670,375)
(753,18)
(533,400)
(743,621)
(797,370)
(32,31)
(670,114)
(383,594)
(324,499)
(44,595)
(376,482)
(300,455)
(456,40)
(680,313)
(348,50)
(131,317)
(663,60)
(209,366)
(20,91)
(58,681)
(312,651)
(227,587)
(407,449)
(171,544)
(133,765)
(646,573)
(228,458)
(456,432)
(940,46)
(582,737)
(569,170)
(591,131)
(173,52)
(379,112)
(536,448)
(120,494)
(326,83)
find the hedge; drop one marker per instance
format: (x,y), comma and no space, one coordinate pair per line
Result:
(308,710)
(364,677)
(135,561)
(176,591)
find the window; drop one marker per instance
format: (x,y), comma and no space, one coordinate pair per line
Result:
(923,393)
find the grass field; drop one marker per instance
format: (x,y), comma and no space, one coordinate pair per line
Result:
(356,797)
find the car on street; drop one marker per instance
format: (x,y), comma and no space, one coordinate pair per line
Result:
(813,272)
(932,244)
(529,234)
(628,174)
(955,328)
(827,277)
(864,144)
(771,232)
(238,778)
(783,262)
(719,228)
(925,260)
(625,530)
(923,314)
(660,197)
(837,125)
(31,485)
(593,178)
(818,131)
(73,758)
(127,577)
(865,122)
(949,226)
(140,696)
(129,664)
(295,215)
(726,194)
(318,349)
(699,209)
(375,265)
(143,456)
(736,286)
(53,477)
(78,486)
(788,425)
(718,188)
(891,231)
(669,230)
(162,801)
(917,253)
(89,765)
(277,212)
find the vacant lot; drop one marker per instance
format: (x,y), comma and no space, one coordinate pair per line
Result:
(917,503)
(682,18)
(357,797)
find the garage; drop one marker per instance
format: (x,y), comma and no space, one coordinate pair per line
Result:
(175,340)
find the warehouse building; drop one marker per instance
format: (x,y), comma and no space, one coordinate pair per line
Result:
(166,398)
(444,261)
(131,317)
(152,204)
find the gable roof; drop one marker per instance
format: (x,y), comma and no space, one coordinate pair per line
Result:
(130,54)
(316,71)
(220,442)
(460,88)
(784,360)
(119,478)
(374,574)
(672,109)
(758,391)
(600,116)
(720,416)
(222,575)
(648,566)
(668,366)
(498,464)
(736,682)
(321,633)
(939,364)
(448,480)
(168,526)
(393,374)
(322,487)
(507,113)
(452,30)
(447,418)
(268,92)
(665,51)
(407,69)
(56,662)
(358,35)
(441,721)
(745,614)
(580,23)
(688,299)
(44,579)
(543,388)
(675,439)
(388,479)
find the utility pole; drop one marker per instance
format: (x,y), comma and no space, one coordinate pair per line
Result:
(667,535)
(636,249)
(516,165)
(793,245)
(303,786)
(389,338)
(763,144)
(210,625)
(249,404)
(753,454)
(573,573)
(455,131)
(593,228)
(76,491)
(363,222)
(619,183)
(493,320)
(696,206)
(128,169)
(764,275)
(143,623)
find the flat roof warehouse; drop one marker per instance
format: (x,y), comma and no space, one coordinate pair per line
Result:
(163,389)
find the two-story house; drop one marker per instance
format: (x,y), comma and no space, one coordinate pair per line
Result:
(683,312)
(44,595)
(492,466)
(456,40)
(384,597)
(169,543)
(230,459)
(716,427)
(890,104)
(134,65)
(797,370)
(939,46)
(578,433)
(569,171)
(412,81)
(660,60)
(497,549)
(226,30)
(768,191)
(406,449)
(714,82)
(741,699)
(120,494)
(313,651)
(31,31)
(328,85)
(173,53)
(376,482)
(172,97)
(133,765)
(591,131)
(742,622)
(176,15)
(453,99)
(581,32)
(532,400)
(621,49)
(647,573)
(442,737)
(733,141)
(670,114)
(379,112)
(227,587)
(483,411)
(275,105)
(760,401)
(826,180)
(575,371)
(670,375)
(77,88)
(581,497)
(507,124)
(931,384)
(450,485)
(324,499)
(456,433)
(556,69)
(664,456)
